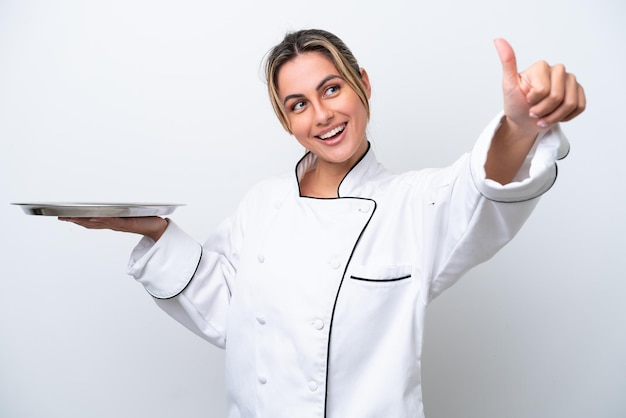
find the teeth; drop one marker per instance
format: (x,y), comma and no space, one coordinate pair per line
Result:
(333,132)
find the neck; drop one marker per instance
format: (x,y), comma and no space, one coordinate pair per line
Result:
(324,179)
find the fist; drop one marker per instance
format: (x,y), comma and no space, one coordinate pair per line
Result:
(540,96)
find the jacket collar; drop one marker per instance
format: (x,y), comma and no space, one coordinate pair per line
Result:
(354,179)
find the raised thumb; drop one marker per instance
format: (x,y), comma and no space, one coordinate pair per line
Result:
(507,59)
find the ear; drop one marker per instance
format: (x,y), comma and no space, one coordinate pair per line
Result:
(366,82)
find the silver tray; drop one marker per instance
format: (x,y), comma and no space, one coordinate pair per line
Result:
(105,210)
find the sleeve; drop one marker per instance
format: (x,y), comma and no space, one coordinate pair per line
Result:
(190,282)
(537,174)
(165,268)
(470,218)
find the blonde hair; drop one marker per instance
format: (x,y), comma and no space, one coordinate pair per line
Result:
(312,40)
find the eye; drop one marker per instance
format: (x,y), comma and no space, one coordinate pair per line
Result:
(297,106)
(331,90)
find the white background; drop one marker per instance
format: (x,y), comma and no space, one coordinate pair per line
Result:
(140,100)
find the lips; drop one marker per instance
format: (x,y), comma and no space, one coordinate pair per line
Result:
(333,132)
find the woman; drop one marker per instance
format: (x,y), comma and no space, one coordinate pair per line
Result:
(317,285)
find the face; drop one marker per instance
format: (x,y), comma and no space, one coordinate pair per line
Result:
(325,115)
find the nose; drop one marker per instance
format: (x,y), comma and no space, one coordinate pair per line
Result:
(322,114)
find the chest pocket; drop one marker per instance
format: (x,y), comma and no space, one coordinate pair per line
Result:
(381,275)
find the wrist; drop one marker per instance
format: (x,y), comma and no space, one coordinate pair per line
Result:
(157,229)
(511,130)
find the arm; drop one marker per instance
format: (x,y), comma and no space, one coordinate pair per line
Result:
(534,101)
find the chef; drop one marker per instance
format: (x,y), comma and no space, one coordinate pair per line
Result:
(317,285)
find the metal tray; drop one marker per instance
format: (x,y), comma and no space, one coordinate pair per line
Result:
(105,210)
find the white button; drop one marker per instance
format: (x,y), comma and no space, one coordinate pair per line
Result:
(318,324)
(262,380)
(260,320)
(335,264)
(261,258)
(364,208)
(313,386)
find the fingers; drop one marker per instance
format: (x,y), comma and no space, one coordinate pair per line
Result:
(555,94)
(116,224)
(582,104)
(151,226)
(540,96)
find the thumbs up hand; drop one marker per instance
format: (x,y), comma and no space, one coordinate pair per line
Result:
(540,96)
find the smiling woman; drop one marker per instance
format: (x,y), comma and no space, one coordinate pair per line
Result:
(327,118)
(324,43)
(317,285)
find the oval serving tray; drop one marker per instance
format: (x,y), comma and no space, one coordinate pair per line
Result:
(107,210)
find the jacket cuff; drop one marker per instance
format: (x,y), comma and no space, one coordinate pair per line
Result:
(537,174)
(166,267)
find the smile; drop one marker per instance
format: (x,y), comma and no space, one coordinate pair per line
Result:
(333,132)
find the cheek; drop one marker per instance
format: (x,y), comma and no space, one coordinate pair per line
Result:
(354,106)
(299,127)
(360,113)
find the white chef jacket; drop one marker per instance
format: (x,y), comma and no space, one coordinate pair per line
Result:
(320,303)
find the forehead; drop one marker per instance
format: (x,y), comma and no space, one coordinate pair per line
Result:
(303,73)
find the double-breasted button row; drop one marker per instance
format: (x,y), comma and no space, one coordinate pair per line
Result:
(313,385)
(334,263)
(318,324)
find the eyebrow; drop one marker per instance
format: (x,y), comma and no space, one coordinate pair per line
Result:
(319,86)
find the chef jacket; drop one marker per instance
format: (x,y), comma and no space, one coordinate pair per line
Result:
(320,303)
